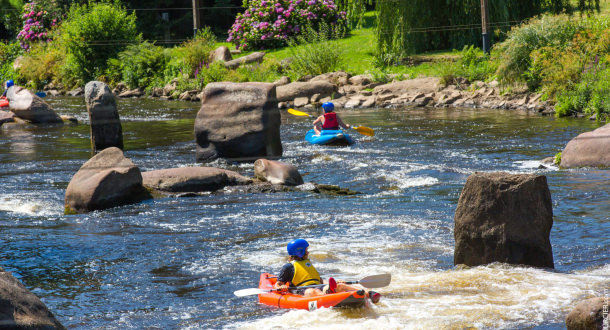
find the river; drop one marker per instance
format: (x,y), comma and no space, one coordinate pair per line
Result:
(175,262)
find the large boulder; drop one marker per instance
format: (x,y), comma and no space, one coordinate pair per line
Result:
(238,122)
(106,180)
(588,315)
(506,218)
(192,179)
(277,172)
(588,149)
(296,89)
(21,309)
(106,129)
(29,107)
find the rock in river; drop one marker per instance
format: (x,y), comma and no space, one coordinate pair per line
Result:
(106,180)
(238,122)
(21,309)
(506,218)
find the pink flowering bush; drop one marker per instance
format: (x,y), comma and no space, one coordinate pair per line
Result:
(271,23)
(37,22)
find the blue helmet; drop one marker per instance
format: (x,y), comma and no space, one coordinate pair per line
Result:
(9,83)
(297,247)
(328,106)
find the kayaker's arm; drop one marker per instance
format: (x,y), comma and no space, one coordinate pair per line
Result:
(317,124)
(346,126)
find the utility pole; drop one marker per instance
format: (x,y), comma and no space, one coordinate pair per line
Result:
(196,17)
(485,26)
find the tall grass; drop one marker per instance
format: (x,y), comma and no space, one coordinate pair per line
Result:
(318,52)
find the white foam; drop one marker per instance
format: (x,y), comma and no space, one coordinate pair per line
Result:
(29,204)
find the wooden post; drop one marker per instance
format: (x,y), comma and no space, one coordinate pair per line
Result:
(196,17)
(485,26)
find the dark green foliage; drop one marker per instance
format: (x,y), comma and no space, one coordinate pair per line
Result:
(409,27)
(94,33)
(140,65)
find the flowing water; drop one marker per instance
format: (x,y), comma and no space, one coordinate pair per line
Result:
(175,262)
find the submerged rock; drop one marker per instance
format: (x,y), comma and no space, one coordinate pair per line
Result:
(506,218)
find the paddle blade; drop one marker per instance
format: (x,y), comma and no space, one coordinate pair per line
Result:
(249,292)
(376,281)
(298,113)
(364,130)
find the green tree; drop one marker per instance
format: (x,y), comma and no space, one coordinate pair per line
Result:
(92,34)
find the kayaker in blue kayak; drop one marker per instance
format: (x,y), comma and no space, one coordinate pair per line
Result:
(8,84)
(329,120)
(300,272)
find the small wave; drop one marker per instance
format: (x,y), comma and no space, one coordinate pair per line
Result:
(29,205)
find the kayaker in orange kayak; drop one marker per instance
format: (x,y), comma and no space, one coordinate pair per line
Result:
(299,271)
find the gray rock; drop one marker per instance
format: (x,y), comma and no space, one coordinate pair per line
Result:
(106,180)
(192,179)
(31,108)
(506,218)
(339,78)
(221,53)
(6,117)
(138,92)
(587,315)
(21,309)
(420,85)
(301,102)
(276,172)
(76,92)
(251,58)
(284,80)
(106,129)
(238,122)
(304,89)
(588,149)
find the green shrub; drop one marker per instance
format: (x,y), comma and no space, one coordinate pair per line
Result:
(315,53)
(140,65)
(196,52)
(8,54)
(42,65)
(557,158)
(514,54)
(591,96)
(93,34)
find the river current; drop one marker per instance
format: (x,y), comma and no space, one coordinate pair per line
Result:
(175,262)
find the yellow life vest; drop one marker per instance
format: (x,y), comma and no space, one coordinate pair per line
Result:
(305,273)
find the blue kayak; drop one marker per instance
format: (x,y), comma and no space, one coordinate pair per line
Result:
(330,137)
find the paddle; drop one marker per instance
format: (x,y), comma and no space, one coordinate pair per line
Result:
(373,281)
(360,129)
(41,94)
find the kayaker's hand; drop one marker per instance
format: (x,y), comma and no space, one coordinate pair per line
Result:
(340,281)
(283,287)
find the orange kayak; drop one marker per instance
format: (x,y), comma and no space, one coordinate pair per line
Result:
(350,299)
